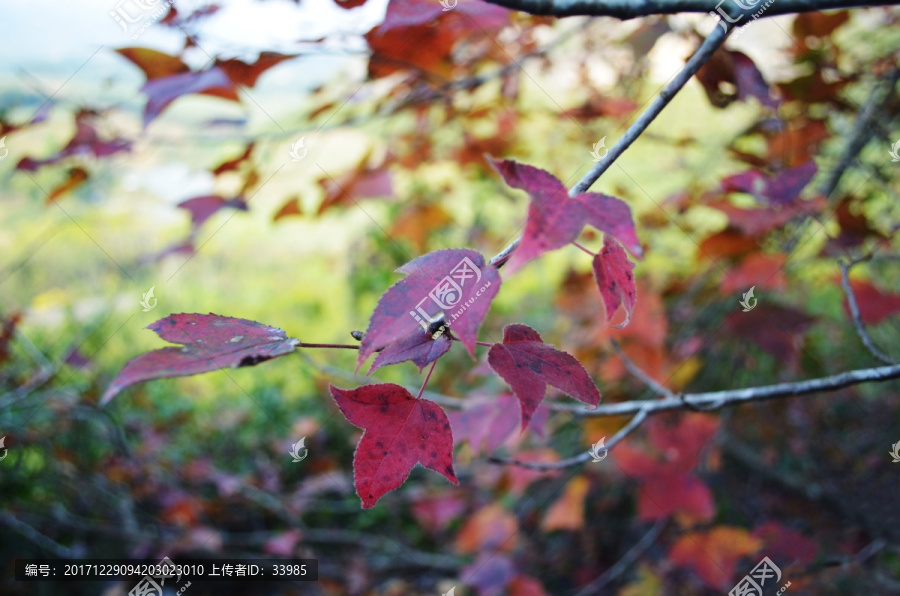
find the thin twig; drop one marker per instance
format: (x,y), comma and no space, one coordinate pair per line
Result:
(700,57)
(629,9)
(627,560)
(856,317)
(638,372)
(626,430)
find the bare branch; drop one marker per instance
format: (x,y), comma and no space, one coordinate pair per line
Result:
(627,560)
(700,57)
(629,9)
(581,458)
(856,317)
(638,372)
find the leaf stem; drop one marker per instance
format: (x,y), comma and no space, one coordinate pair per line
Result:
(483,343)
(428,376)
(344,346)
(577,245)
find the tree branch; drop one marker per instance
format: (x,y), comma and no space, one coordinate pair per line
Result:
(629,9)
(856,317)
(638,372)
(700,57)
(709,401)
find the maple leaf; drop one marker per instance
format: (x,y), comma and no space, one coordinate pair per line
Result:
(209,342)
(421,347)
(567,513)
(554,220)
(529,365)
(615,278)
(453,281)
(485,423)
(85,141)
(400,431)
(202,208)
(781,189)
(874,304)
(667,485)
(714,554)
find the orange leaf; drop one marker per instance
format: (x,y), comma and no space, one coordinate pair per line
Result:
(490,528)
(567,513)
(713,555)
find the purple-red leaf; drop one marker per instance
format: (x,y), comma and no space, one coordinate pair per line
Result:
(781,189)
(208,342)
(453,281)
(400,431)
(615,278)
(422,348)
(554,220)
(202,208)
(163,91)
(529,365)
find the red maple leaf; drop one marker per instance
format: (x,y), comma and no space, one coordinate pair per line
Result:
(781,189)
(209,342)
(529,365)
(400,431)
(615,278)
(455,282)
(667,484)
(554,220)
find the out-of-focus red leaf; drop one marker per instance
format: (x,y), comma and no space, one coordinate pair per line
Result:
(521,478)
(202,208)
(242,73)
(291,207)
(756,270)
(486,423)
(283,545)
(421,34)
(400,431)
(209,342)
(491,528)
(781,189)
(418,222)
(363,183)
(436,513)
(783,544)
(454,281)
(348,4)
(714,555)
(874,304)
(86,141)
(154,63)
(667,485)
(776,329)
(728,76)
(615,279)
(528,364)
(489,574)
(554,220)
(8,326)
(567,512)
(233,164)
(755,222)
(523,585)
(164,90)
